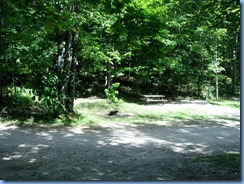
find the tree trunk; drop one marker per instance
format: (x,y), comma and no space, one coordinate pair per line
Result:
(217,86)
(1,93)
(66,69)
(66,66)
(233,72)
(65,76)
(198,86)
(60,60)
(60,53)
(108,79)
(234,65)
(72,81)
(233,81)
(216,72)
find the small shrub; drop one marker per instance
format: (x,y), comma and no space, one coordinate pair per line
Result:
(112,93)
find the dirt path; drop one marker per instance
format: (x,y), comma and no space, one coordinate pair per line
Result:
(120,151)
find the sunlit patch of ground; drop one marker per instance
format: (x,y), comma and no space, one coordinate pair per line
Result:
(141,142)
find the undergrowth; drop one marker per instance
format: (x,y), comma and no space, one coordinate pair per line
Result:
(21,110)
(228,160)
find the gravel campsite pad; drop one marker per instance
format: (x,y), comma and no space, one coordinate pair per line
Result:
(121,151)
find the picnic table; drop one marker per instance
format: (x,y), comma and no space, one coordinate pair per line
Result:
(154,98)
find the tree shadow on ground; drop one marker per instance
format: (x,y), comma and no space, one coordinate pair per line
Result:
(119,152)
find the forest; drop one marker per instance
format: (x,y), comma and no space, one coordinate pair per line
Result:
(60,50)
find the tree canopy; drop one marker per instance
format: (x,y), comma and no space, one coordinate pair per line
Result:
(67,48)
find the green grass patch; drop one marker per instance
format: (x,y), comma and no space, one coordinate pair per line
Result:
(93,112)
(178,115)
(97,111)
(224,102)
(228,160)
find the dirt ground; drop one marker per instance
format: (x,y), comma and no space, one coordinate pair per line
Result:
(120,151)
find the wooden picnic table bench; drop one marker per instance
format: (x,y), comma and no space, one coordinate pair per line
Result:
(154,98)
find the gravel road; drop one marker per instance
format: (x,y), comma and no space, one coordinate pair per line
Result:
(121,151)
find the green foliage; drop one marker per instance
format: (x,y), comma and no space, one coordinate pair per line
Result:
(48,94)
(153,46)
(18,97)
(229,160)
(112,92)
